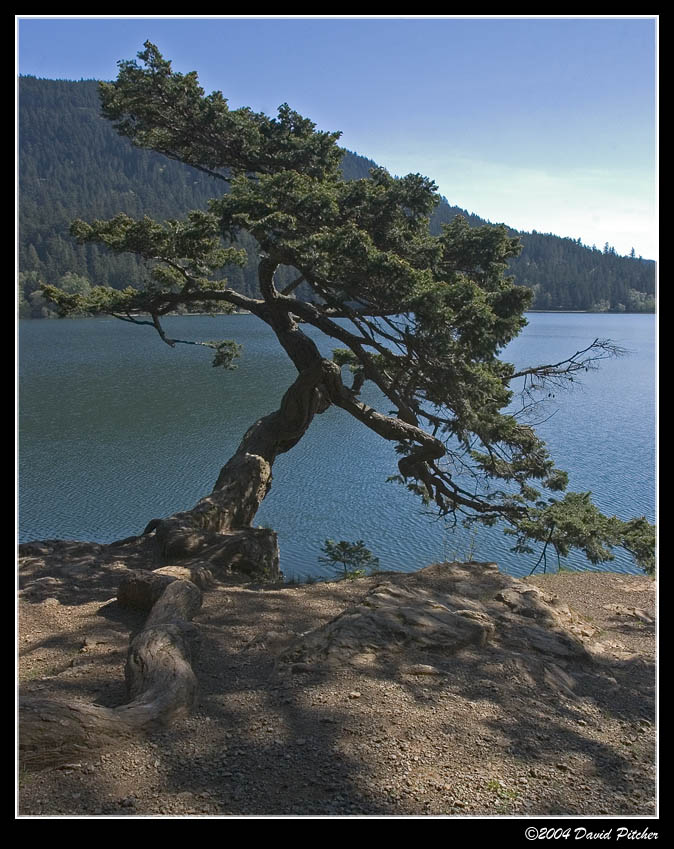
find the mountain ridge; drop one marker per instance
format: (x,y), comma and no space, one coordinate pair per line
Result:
(72,164)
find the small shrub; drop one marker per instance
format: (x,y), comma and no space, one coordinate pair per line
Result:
(354,558)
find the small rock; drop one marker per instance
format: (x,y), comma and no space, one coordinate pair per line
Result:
(423,669)
(354,694)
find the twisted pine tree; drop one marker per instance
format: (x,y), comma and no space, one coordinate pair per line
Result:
(423,317)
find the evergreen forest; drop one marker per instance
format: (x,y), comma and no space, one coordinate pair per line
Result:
(72,164)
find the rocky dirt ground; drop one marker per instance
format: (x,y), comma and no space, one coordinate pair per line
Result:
(543,705)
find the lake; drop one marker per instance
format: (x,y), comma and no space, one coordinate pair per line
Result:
(116,428)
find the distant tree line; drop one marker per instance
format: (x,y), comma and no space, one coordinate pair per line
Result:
(566,275)
(73,165)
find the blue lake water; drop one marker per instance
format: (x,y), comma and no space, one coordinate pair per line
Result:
(116,428)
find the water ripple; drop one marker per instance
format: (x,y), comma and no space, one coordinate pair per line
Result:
(116,429)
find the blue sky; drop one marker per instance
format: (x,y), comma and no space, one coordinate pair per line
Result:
(540,123)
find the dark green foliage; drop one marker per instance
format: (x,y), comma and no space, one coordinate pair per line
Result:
(226,354)
(423,315)
(574,521)
(179,121)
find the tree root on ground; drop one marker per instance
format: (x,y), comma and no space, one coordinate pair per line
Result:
(159,676)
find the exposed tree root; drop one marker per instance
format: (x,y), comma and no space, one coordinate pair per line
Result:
(159,676)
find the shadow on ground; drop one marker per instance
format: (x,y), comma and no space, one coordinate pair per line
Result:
(491,729)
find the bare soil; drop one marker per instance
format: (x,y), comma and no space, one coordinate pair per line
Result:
(470,735)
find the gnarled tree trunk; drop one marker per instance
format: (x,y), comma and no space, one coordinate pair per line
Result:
(218,529)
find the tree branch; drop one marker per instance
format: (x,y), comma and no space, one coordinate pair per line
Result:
(601,349)
(292,286)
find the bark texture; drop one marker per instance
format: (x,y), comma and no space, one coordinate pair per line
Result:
(160,681)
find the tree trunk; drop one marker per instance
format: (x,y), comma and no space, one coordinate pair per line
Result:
(217,530)
(159,677)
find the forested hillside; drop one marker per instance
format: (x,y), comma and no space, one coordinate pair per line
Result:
(73,165)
